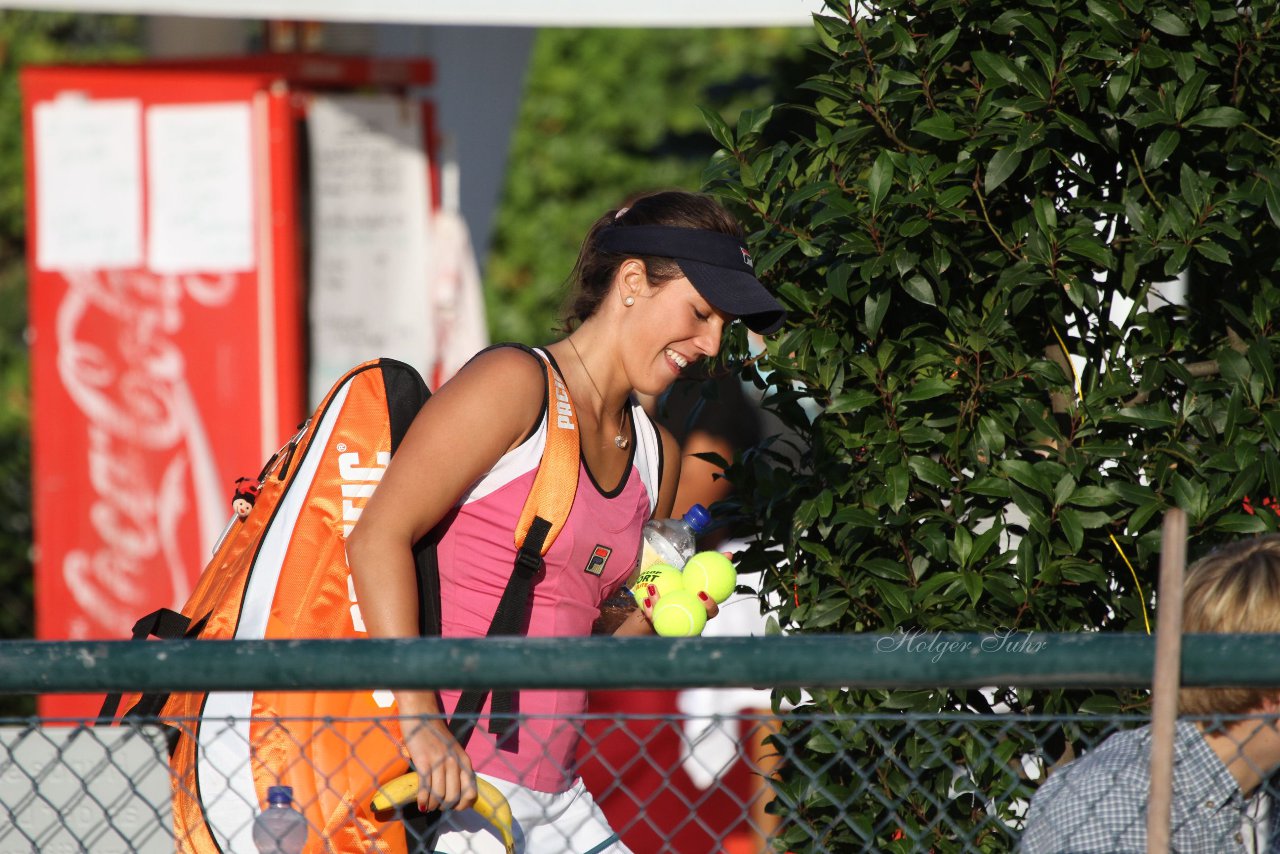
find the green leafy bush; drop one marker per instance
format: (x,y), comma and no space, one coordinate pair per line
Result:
(29,38)
(607,113)
(985,189)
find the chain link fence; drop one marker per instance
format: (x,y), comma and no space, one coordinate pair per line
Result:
(675,784)
(672,784)
(669,781)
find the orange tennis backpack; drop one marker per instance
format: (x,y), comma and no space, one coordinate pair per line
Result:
(280,571)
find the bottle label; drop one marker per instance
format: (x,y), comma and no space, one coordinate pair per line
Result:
(648,556)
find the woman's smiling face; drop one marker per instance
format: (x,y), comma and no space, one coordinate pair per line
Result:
(671,326)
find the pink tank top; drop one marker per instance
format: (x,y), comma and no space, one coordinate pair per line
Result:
(587,563)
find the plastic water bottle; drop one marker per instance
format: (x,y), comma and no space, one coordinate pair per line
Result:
(673,541)
(280,828)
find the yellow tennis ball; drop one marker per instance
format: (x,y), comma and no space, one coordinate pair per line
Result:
(664,576)
(679,614)
(712,573)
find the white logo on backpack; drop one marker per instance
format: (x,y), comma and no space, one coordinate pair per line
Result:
(564,409)
(357,484)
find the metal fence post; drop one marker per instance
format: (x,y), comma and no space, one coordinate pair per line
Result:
(1166,679)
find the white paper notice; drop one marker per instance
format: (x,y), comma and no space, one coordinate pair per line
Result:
(200,188)
(88,163)
(369,234)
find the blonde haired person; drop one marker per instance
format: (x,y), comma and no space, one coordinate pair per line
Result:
(657,284)
(1225,747)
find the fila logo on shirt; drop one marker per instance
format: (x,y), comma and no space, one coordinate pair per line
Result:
(599,557)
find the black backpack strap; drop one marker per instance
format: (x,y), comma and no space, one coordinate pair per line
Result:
(406,394)
(163,624)
(508,619)
(551,496)
(149,705)
(421,829)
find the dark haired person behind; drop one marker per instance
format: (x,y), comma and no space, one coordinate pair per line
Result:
(651,800)
(657,283)
(1221,799)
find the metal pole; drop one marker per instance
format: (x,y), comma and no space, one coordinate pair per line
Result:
(1166,679)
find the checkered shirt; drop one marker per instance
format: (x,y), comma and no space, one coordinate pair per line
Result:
(1098,803)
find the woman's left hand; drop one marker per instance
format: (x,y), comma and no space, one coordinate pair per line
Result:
(651,597)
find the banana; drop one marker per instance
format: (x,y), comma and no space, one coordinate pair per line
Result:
(400,795)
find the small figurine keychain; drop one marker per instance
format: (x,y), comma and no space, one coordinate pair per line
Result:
(246,493)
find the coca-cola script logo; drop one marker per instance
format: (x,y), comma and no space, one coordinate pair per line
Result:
(150,467)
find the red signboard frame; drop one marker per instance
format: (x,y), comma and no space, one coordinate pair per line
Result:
(153,391)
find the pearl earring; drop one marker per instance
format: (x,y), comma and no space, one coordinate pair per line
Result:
(628,301)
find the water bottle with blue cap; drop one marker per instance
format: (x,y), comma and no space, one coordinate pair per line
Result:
(280,828)
(673,541)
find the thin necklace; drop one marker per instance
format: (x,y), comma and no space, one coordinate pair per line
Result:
(620,440)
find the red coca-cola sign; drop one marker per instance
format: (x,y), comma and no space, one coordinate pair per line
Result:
(165,319)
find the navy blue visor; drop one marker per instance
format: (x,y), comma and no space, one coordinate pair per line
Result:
(718,265)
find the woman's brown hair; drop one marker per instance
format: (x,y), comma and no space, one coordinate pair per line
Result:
(593,273)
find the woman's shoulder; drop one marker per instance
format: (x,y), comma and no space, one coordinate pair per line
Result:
(507,383)
(509,374)
(512,363)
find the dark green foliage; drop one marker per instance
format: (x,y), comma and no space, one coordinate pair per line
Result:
(29,38)
(608,113)
(986,187)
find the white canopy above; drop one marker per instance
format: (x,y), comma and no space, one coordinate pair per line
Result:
(507,13)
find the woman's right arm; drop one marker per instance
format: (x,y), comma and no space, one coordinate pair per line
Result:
(461,432)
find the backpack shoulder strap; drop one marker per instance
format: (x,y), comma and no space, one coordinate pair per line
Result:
(556,482)
(165,624)
(544,515)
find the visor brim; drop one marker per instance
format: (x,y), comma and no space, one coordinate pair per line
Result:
(737,293)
